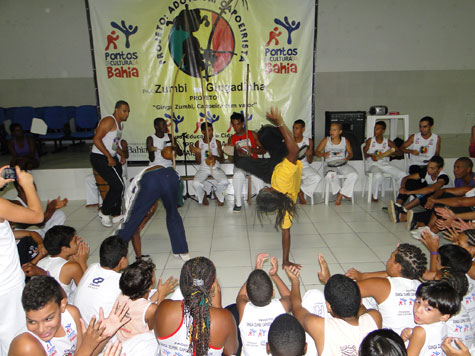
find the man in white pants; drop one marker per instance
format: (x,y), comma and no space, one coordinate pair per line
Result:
(310,177)
(239,141)
(207,156)
(374,147)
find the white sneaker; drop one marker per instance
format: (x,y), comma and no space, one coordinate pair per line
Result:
(184,256)
(118,219)
(105,219)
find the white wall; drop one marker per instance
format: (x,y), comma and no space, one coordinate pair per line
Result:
(416,57)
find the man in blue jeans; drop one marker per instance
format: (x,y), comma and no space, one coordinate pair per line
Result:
(153,184)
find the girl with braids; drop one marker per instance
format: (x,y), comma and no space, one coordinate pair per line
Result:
(196,325)
(394,289)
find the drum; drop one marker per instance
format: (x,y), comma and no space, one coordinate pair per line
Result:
(102,185)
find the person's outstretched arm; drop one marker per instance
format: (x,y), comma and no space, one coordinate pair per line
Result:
(275,117)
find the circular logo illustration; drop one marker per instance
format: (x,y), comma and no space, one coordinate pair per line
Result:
(201,42)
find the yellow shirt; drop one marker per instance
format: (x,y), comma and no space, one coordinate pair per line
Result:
(286,179)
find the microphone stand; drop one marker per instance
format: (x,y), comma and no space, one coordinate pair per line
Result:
(185,161)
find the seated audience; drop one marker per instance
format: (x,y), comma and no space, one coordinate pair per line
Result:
(382,342)
(23,149)
(422,146)
(67,260)
(436,302)
(209,155)
(310,177)
(198,325)
(286,337)
(52,215)
(136,282)
(249,149)
(350,321)
(337,148)
(394,290)
(257,308)
(376,150)
(99,285)
(54,326)
(421,186)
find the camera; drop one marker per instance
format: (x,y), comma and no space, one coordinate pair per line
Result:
(9,173)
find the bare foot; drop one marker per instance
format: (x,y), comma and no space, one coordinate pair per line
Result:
(374,200)
(324,273)
(403,217)
(291,264)
(219,203)
(338,199)
(302,198)
(92,205)
(205,201)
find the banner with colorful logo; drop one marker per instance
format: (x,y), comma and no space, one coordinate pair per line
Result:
(188,60)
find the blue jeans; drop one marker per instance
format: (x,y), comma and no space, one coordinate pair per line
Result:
(157,184)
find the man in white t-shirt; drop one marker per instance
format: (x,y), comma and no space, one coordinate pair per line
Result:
(99,286)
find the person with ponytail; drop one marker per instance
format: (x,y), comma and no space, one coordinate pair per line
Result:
(196,325)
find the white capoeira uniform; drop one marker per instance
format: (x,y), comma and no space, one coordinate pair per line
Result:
(54,265)
(239,175)
(382,166)
(12,281)
(160,144)
(58,218)
(310,177)
(338,152)
(425,147)
(204,172)
(99,288)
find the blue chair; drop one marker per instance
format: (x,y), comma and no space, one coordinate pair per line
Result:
(24,116)
(40,112)
(9,112)
(86,120)
(70,112)
(56,119)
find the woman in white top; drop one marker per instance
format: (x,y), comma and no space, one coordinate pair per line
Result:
(336,148)
(12,278)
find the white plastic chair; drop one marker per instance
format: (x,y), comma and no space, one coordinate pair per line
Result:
(326,188)
(369,179)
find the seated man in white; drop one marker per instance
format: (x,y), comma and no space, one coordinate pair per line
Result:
(239,141)
(209,157)
(337,150)
(376,152)
(422,146)
(310,177)
(99,286)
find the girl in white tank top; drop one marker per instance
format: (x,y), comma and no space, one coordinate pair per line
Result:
(337,151)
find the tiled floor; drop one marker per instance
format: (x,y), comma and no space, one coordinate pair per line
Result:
(358,235)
